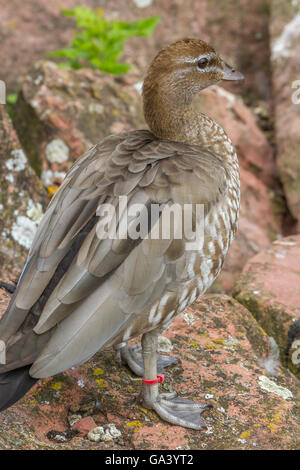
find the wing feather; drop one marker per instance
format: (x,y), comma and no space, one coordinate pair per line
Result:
(106,283)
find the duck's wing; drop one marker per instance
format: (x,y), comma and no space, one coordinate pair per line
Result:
(108,280)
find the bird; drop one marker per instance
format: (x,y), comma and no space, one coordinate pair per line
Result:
(86,287)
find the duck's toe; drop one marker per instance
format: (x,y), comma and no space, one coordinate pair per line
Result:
(180,411)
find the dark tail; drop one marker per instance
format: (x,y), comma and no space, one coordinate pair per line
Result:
(8,287)
(13,385)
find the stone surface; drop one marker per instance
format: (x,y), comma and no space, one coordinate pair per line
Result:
(285,33)
(66,112)
(22,201)
(106,433)
(254,151)
(270,288)
(240,33)
(84,425)
(222,351)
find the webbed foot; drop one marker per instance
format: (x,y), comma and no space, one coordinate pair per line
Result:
(132,356)
(168,406)
(176,410)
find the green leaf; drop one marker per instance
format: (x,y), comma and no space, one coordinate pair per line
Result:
(117,68)
(98,42)
(12,98)
(67,12)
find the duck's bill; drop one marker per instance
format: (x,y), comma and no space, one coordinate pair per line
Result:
(230,73)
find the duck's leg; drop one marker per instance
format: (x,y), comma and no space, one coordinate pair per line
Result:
(132,356)
(168,406)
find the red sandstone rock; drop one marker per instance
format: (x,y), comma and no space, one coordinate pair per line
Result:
(22,201)
(67,112)
(254,151)
(84,425)
(221,349)
(285,34)
(270,288)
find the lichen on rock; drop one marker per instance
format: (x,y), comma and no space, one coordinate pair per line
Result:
(22,201)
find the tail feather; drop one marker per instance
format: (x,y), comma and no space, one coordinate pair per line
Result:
(8,287)
(13,386)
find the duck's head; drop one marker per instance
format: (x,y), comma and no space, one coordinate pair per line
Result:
(182,69)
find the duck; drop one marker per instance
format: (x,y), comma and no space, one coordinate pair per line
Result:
(102,269)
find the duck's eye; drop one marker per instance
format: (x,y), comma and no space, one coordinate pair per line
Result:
(202,63)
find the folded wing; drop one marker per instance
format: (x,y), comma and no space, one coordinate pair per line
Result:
(78,290)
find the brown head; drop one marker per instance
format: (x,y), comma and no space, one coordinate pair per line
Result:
(178,73)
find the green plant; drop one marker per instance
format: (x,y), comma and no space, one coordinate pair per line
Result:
(11,100)
(98,42)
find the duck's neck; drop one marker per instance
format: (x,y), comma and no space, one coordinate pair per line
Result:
(176,120)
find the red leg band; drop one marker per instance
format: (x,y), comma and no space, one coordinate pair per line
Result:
(159,380)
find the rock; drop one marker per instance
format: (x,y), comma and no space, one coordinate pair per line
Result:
(84,425)
(220,356)
(74,418)
(222,351)
(164,344)
(87,407)
(22,201)
(61,436)
(239,31)
(269,288)
(67,112)
(107,433)
(285,34)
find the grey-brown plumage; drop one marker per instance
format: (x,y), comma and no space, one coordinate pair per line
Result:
(80,292)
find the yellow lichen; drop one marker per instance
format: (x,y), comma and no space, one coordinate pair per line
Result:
(210,346)
(52,190)
(219,341)
(100,383)
(245,434)
(263,331)
(98,371)
(273,427)
(56,386)
(136,424)
(277,417)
